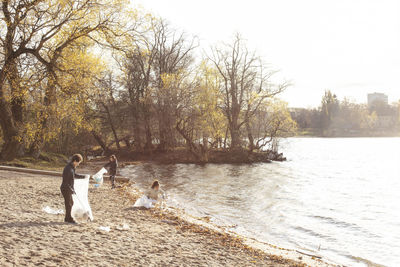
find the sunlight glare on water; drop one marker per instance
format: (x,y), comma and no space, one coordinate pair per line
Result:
(337,197)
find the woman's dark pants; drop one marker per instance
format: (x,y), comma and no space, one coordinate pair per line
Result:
(112,178)
(67,194)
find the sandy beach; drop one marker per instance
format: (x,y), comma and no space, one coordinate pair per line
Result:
(32,237)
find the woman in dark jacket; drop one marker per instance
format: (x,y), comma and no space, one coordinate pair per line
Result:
(67,186)
(112,166)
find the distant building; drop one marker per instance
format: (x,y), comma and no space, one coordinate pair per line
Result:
(377,98)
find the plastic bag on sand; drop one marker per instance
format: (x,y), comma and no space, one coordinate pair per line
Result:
(146,202)
(98,177)
(81,208)
(105,228)
(124,227)
(49,210)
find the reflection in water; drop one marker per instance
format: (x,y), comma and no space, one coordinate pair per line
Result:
(339,195)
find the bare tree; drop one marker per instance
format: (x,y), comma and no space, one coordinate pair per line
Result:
(138,66)
(245,87)
(158,55)
(173,57)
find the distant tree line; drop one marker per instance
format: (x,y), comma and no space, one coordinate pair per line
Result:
(345,118)
(79,74)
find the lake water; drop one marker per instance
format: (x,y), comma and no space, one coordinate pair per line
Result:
(337,197)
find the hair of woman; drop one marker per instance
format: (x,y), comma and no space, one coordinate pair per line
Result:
(155,183)
(77,158)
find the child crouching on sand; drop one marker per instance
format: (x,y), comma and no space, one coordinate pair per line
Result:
(150,198)
(155,191)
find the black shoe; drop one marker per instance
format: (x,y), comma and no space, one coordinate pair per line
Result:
(72,221)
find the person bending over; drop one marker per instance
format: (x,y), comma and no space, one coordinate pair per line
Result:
(150,197)
(112,166)
(155,191)
(67,186)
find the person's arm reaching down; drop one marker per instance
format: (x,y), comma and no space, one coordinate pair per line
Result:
(107,165)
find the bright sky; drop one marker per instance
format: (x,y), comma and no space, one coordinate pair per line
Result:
(351,47)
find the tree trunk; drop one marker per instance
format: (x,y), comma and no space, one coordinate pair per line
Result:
(234,127)
(200,152)
(204,150)
(235,139)
(127,142)
(10,120)
(13,146)
(137,133)
(110,121)
(100,141)
(35,148)
(163,146)
(149,139)
(166,125)
(249,136)
(226,136)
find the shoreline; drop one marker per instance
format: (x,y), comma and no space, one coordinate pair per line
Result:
(24,223)
(251,244)
(182,155)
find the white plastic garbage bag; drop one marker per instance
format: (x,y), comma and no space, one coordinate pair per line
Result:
(146,202)
(105,228)
(49,210)
(98,177)
(81,208)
